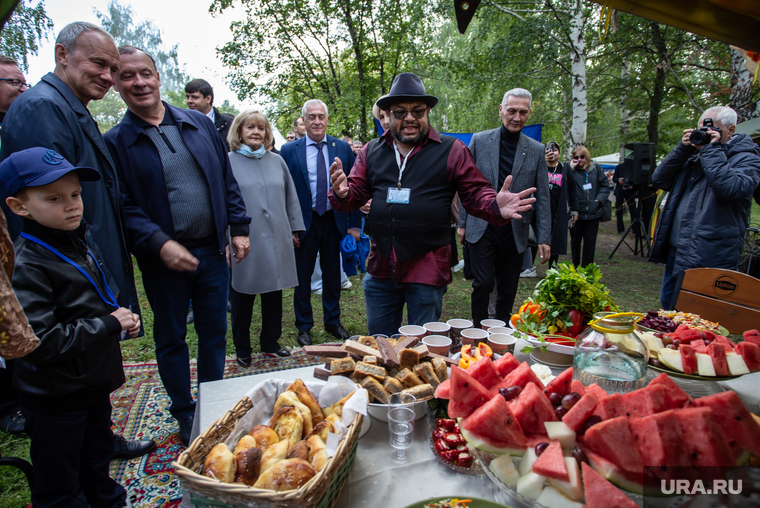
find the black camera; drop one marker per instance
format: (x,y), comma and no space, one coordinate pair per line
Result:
(701,136)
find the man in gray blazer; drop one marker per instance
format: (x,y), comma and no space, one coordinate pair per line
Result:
(496,252)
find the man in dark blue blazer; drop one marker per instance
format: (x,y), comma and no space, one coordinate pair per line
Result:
(309,160)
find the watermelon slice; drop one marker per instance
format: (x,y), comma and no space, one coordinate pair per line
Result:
(466,394)
(506,364)
(640,482)
(675,397)
(577,386)
(610,407)
(734,418)
(707,446)
(600,493)
(580,412)
(484,372)
(551,463)
(689,359)
(596,390)
(444,390)
(751,354)
(613,440)
(717,352)
(686,335)
(645,401)
(521,376)
(532,408)
(493,428)
(659,440)
(720,339)
(560,384)
(752,336)
(699,346)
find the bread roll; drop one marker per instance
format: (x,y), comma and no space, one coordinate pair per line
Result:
(317,453)
(291,399)
(308,399)
(264,436)
(244,443)
(322,429)
(333,419)
(220,464)
(338,406)
(299,451)
(274,454)
(248,463)
(287,474)
(287,422)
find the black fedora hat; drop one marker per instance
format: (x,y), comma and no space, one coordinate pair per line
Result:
(407,87)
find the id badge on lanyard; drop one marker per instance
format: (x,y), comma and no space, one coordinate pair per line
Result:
(399,195)
(587,185)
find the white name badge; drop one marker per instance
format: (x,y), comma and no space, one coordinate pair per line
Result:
(587,186)
(398,196)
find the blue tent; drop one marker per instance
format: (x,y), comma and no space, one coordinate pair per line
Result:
(532,131)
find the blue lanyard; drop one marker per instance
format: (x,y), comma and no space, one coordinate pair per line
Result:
(586,176)
(111,302)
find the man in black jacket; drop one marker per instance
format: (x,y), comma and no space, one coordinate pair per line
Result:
(200,97)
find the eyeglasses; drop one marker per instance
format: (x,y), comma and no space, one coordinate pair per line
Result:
(579,157)
(400,114)
(15,83)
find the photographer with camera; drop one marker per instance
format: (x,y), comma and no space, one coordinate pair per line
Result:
(711,175)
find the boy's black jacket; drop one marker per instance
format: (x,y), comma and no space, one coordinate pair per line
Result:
(79,351)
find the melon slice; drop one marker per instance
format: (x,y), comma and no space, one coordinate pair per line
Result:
(484,372)
(613,440)
(553,498)
(717,353)
(688,359)
(705,365)
(671,359)
(493,428)
(530,485)
(600,493)
(752,336)
(573,488)
(560,384)
(577,386)
(736,365)
(659,440)
(551,463)
(675,397)
(532,408)
(527,460)
(596,390)
(504,469)
(444,390)
(466,394)
(610,406)
(562,433)
(734,418)
(580,412)
(750,353)
(645,401)
(506,364)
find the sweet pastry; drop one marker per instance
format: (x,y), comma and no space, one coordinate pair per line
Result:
(421,392)
(364,369)
(408,358)
(243,444)
(392,385)
(342,366)
(317,453)
(441,370)
(264,436)
(321,430)
(220,464)
(287,422)
(306,397)
(287,474)
(409,378)
(375,389)
(299,451)
(338,406)
(248,464)
(368,341)
(426,372)
(291,399)
(274,454)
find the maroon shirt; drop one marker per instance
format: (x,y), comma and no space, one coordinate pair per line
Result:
(475,192)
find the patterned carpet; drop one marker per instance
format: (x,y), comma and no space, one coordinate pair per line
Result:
(141,411)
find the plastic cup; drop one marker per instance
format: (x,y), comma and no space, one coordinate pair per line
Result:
(502,343)
(436,328)
(488,323)
(501,329)
(473,335)
(457,325)
(412,331)
(438,344)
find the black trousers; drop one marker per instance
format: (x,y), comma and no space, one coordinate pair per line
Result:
(584,231)
(271,322)
(494,258)
(71,452)
(8,399)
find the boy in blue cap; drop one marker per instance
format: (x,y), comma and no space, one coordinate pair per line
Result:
(64,384)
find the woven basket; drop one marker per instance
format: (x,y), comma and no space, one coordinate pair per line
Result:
(320,492)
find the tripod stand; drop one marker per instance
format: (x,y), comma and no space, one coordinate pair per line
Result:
(639,231)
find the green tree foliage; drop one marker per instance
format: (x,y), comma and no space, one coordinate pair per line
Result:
(23,32)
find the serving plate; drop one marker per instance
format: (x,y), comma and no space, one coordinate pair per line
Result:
(550,346)
(723,331)
(675,373)
(476,502)
(552,358)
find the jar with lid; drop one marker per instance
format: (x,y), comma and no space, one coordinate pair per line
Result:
(610,354)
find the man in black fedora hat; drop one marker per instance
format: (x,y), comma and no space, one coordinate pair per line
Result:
(411,174)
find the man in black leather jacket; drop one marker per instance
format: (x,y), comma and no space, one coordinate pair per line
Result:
(64,384)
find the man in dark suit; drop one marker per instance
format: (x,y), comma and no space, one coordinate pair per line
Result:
(200,97)
(496,252)
(309,159)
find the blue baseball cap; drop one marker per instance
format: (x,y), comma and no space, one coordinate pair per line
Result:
(35,167)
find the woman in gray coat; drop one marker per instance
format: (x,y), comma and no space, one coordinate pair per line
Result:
(271,201)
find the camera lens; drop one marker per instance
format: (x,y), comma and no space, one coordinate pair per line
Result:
(700,137)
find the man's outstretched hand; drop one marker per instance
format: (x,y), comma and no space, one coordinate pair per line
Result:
(510,205)
(338,179)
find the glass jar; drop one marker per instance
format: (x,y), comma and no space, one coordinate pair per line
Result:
(610,354)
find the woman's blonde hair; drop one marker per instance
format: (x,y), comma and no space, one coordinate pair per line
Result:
(582,150)
(233,137)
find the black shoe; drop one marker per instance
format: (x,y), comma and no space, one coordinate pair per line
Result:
(185,429)
(338,332)
(279,353)
(244,362)
(304,338)
(13,423)
(124,449)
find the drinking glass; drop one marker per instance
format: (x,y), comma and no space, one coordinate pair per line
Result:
(401,425)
